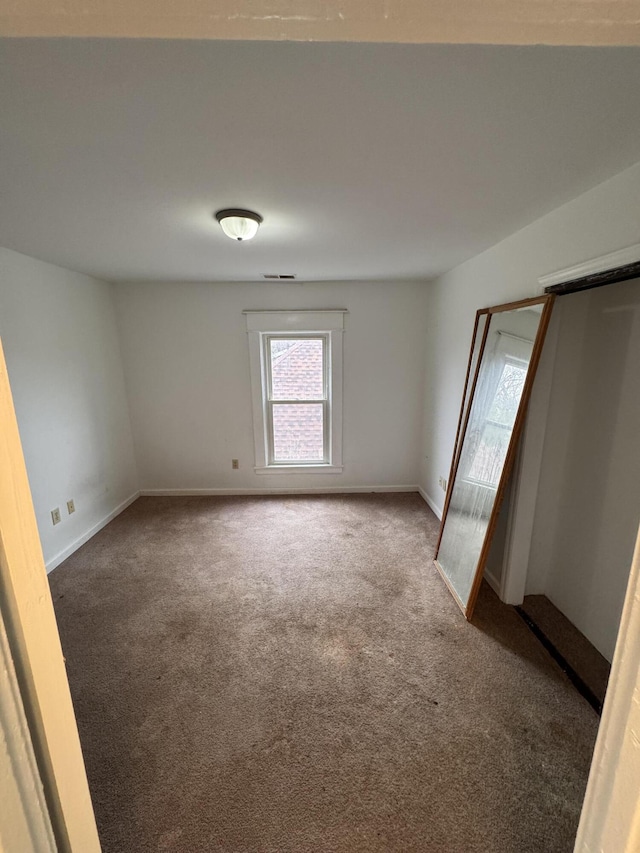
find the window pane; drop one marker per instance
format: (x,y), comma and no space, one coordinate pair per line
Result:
(508,393)
(491,450)
(296,369)
(298,432)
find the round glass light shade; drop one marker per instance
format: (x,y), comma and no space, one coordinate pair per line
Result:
(239,224)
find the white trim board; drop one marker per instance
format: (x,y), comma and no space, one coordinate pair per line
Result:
(61,556)
(319,490)
(320,468)
(305,320)
(433,506)
(621,258)
(295,311)
(493,582)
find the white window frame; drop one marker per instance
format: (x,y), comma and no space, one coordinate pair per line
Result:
(327,324)
(324,401)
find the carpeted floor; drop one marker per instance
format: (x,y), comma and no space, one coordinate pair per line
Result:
(290,674)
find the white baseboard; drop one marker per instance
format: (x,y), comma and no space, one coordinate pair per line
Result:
(433,506)
(51,564)
(320,490)
(493,582)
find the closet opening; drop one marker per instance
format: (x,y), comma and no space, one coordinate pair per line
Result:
(570,518)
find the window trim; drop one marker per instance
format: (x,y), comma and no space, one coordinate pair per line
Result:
(261,325)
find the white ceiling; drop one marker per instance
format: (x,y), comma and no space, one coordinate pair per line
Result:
(366,161)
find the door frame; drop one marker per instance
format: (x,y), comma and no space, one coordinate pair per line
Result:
(610,818)
(27,613)
(614,267)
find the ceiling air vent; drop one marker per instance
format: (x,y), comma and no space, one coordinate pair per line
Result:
(278,276)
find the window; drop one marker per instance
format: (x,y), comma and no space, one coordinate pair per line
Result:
(493,443)
(500,384)
(298,399)
(296,378)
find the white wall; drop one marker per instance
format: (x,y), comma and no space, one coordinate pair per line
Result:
(588,505)
(186,359)
(61,345)
(602,220)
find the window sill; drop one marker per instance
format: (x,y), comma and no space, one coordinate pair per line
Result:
(299,469)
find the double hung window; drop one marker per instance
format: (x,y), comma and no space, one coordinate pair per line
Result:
(495,406)
(493,442)
(296,375)
(298,404)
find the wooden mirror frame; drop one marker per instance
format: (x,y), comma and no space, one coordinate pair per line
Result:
(471,381)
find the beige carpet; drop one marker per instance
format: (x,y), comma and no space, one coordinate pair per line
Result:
(290,674)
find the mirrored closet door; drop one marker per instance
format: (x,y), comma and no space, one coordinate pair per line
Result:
(505,350)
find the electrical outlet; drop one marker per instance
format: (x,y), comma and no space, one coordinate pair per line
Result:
(55,516)
(71,507)
(443,483)
(235,464)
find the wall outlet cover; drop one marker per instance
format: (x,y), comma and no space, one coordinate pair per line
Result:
(71,507)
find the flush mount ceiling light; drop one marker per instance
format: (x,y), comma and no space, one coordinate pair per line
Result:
(239,224)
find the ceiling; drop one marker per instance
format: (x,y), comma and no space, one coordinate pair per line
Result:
(367,161)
